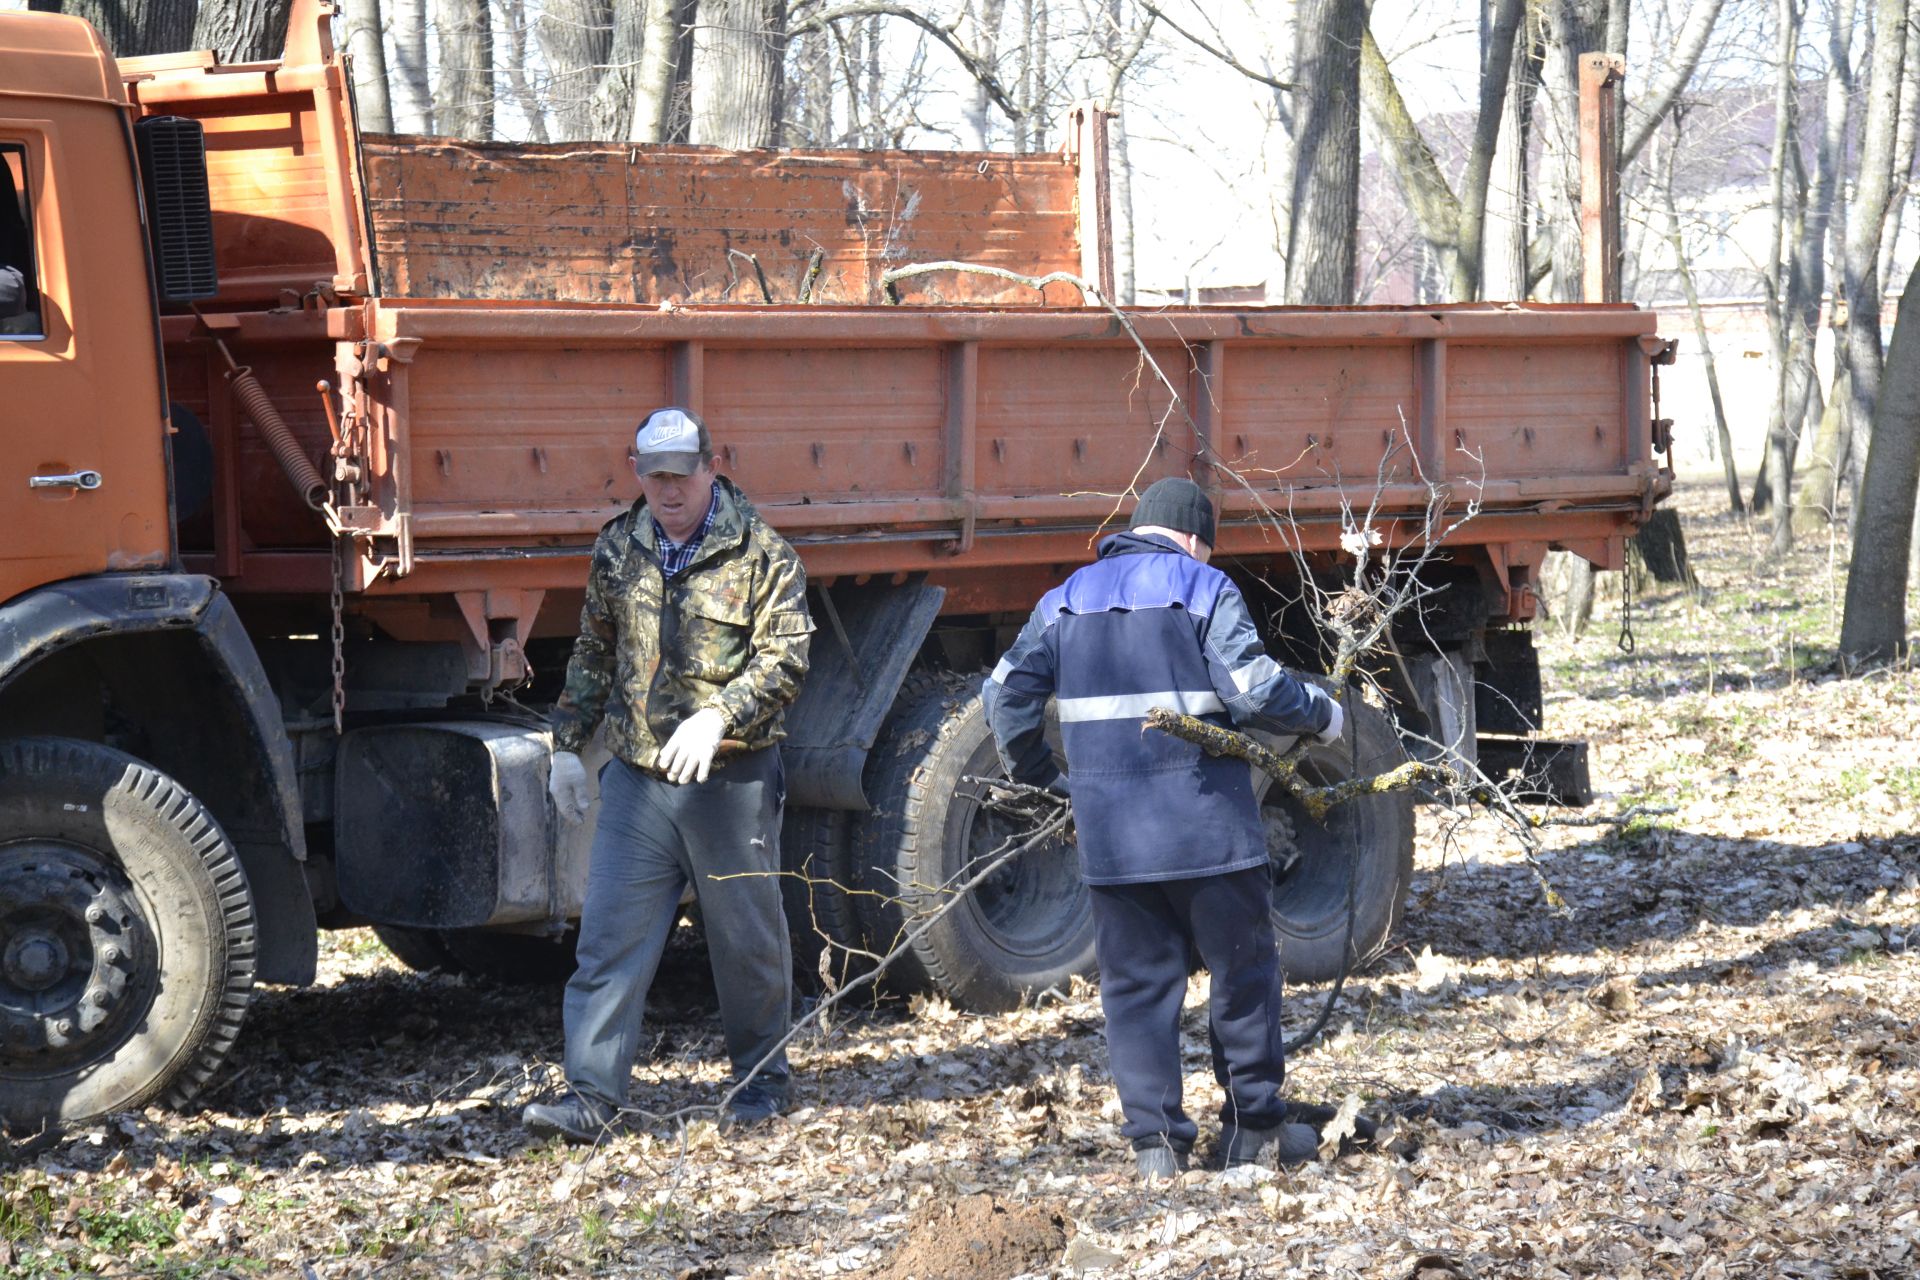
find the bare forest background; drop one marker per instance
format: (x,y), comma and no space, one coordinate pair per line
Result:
(1322,152)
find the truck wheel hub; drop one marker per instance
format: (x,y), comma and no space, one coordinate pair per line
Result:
(75,950)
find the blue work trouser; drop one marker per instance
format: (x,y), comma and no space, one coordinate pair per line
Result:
(1143,935)
(653,839)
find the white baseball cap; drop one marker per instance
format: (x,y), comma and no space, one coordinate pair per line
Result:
(671,440)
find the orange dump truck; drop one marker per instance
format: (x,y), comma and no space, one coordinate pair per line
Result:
(308,434)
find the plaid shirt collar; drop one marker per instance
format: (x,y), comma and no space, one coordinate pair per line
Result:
(676,556)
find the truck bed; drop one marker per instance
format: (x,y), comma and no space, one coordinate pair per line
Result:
(498,370)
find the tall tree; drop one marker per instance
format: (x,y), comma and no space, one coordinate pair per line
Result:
(663,67)
(1326,169)
(1677,239)
(615,104)
(1867,218)
(1573,27)
(463,99)
(367,46)
(136,28)
(532,103)
(1875,624)
(738,50)
(1772,491)
(1504,266)
(407,82)
(984,17)
(1813,499)
(242,30)
(1903,147)
(576,37)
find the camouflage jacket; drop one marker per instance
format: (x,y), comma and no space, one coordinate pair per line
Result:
(730,632)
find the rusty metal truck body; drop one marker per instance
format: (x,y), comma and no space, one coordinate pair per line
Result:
(290,713)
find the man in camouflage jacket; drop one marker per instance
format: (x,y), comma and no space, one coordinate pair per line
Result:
(692,643)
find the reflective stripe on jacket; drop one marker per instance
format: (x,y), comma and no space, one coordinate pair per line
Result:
(1146,626)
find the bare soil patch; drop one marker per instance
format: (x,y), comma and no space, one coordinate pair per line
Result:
(979,1238)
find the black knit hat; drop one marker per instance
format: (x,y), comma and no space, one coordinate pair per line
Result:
(1176,503)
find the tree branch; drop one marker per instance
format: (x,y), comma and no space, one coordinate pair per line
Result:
(1157,12)
(1432,201)
(976,66)
(1688,46)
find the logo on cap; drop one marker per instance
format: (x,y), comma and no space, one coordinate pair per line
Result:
(667,431)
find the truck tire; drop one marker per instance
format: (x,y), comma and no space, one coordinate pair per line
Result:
(816,851)
(1028,928)
(126,935)
(1310,859)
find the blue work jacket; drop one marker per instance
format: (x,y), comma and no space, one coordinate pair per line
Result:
(1144,626)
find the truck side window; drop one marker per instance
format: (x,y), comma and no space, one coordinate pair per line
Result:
(19,279)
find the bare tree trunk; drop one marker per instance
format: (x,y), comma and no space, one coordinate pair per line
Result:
(660,65)
(1865,223)
(1416,169)
(1496,69)
(136,28)
(576,36)
(810,100)
(407,79)
(1775,470)
(367,46)
(1504,263)
(463,101)
(1573,27)
(1814,502)
(1678,241)
(1903,145)
(1326,174)
(738,47)
(978,112)
(242,30)
(1875,624)
(615,101)
(1277,149)
(533,107)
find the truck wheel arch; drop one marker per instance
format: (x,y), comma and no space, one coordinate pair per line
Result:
(163,658)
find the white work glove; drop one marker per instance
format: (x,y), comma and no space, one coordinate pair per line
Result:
(688,755)
(1331,734)
(567,784)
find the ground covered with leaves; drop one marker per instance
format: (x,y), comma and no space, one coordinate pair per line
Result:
(1704,1064)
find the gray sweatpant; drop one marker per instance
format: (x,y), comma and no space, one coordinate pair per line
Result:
(653,838)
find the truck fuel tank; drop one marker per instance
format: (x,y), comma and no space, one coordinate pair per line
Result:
(446,825)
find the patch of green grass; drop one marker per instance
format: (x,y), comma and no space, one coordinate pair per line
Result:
(1904,783)
(1853,782)
(141,1227)
(25,1208)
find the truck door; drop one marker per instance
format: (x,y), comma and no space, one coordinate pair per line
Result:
(82,444)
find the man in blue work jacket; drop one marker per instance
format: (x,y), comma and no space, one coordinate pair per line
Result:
(1171,844)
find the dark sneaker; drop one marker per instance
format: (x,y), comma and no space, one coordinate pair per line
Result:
(1158,1160)
(756,1104)
(575,1118)
(1283,1144)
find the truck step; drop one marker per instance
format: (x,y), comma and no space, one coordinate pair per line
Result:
(1551,771)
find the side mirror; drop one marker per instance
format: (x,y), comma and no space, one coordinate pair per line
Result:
(173,179)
